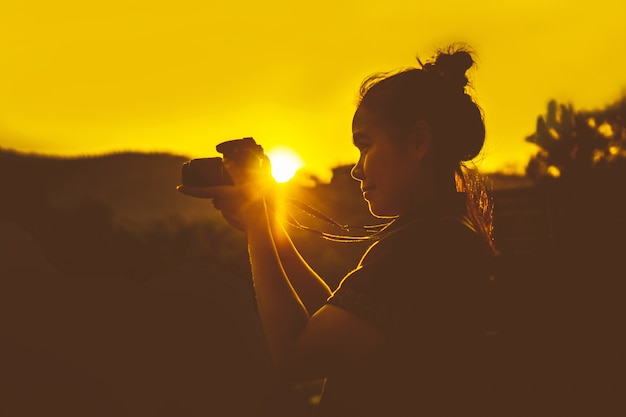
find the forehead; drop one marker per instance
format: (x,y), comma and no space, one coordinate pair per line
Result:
(364,119)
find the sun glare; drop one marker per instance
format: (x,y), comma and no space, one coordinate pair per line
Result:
(285,163)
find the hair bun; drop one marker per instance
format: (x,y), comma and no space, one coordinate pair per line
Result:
(453,66)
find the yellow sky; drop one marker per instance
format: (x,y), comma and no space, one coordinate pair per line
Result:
(81,77)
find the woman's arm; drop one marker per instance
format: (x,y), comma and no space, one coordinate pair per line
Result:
(311,288)
(283,314)
(302,345)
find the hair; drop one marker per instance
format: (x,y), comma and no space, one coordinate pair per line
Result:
(435,93)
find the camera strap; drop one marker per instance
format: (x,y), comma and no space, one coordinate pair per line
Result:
(371,231)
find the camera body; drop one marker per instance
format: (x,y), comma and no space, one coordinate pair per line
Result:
(210,172)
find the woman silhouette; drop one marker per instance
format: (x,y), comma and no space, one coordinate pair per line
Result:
(403,334)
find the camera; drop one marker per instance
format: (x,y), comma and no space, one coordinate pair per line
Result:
(210,172)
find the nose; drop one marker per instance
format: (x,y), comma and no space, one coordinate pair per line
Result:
(357,171)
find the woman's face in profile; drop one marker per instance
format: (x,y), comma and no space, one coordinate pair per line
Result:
(387,169)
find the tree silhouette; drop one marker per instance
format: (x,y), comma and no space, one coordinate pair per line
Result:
(575,143)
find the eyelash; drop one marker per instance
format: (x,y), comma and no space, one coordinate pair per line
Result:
(362,148)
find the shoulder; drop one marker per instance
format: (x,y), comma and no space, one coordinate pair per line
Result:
(440,251)
(445,234)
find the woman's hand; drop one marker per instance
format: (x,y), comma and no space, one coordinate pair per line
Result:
(245,201)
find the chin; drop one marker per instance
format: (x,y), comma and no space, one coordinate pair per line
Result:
(381,212)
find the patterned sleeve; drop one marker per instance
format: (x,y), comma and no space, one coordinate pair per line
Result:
(385,288)
(360,299)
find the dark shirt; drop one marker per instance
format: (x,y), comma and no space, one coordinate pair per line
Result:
(424,283)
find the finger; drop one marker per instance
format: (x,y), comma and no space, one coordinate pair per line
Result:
(206,192)
(266,164)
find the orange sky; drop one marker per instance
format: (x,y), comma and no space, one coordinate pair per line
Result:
(82,77)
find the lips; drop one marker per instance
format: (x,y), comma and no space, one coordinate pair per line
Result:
(366,191)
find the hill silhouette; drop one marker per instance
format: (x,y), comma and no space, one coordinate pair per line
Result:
(139,187)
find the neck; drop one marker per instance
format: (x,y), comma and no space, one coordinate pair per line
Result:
(445,184)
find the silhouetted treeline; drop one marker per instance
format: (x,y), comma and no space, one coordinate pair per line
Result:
(575,144)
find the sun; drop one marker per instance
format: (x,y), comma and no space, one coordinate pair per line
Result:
(285,163)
